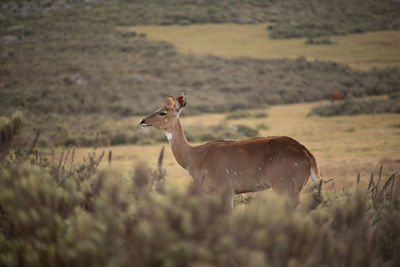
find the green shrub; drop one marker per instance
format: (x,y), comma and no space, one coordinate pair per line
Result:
(119,139)
(211,133)
(323,18)
(262,126)
(238,114)
(9,128)
(319,41)
(247,131)
(259,115)
(241,114)
(354,107)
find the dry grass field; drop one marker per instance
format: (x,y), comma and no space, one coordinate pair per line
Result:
(360,51)
(342,145)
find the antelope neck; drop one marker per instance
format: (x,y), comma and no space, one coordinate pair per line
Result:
(181,148)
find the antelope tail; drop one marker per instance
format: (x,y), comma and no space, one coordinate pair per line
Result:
(315,174)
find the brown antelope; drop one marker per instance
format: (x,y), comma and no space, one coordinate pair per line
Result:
(249,165)
(337,97)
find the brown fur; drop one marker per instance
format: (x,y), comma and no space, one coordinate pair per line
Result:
(337,97)
(249,165)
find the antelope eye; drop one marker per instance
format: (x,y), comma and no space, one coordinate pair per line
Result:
(163,113)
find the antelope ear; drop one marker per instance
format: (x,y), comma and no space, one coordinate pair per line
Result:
(169,102)
(181,102)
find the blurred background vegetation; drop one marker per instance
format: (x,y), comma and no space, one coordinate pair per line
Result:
(64,62)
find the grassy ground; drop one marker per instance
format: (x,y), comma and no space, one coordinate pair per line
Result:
(360,51)
(342,145)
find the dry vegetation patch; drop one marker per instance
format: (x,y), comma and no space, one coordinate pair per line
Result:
(353,107)
(343,145)
(71,213)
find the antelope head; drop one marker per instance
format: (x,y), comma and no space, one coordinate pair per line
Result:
(166,117)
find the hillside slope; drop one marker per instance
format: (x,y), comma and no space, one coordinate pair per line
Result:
(61,61)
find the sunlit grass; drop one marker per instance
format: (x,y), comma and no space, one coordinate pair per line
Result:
(360,51)
(342,145)
(124,158)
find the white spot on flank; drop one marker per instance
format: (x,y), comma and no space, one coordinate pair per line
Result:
(169,135)
(235,173)
(295,164)
(260,169)
(284,160)
(227,171)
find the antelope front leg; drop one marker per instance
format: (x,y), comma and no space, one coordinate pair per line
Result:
(196,186)
(205,185)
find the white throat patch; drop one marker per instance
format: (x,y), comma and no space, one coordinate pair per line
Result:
(169,135)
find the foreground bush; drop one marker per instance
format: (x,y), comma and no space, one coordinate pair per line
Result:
(72,214)
(43,224)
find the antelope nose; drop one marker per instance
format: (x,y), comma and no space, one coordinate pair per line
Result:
(142,121)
